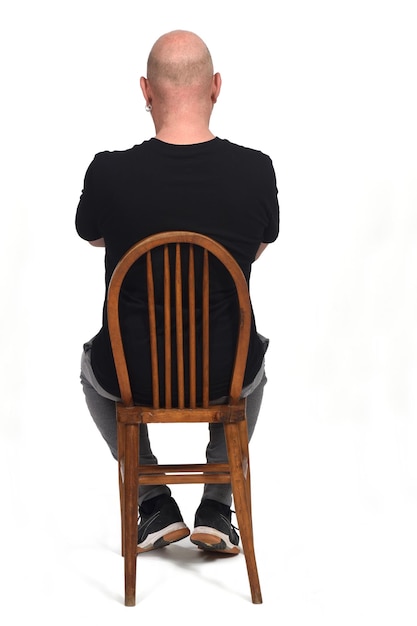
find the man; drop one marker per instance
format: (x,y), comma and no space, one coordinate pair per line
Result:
(185,178)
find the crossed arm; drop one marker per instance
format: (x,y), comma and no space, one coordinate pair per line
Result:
(98,243)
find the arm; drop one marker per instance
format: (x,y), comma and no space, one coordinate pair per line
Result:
(98,243)
(260,250)
(92,201)
(269,194)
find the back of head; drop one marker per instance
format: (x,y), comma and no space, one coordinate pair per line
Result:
(180,61)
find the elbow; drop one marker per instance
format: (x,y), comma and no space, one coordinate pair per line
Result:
(98,243)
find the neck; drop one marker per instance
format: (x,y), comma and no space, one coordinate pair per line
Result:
(181,125)
(184,136)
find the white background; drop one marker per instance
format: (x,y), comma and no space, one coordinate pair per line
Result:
(328,90)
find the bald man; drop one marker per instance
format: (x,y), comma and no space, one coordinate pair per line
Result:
(184,178)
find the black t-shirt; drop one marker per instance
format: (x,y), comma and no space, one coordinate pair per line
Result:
(216,188)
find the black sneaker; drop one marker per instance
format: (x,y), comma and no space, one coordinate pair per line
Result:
(160,523)
(213,528)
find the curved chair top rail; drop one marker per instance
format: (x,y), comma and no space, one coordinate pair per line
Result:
(147,245)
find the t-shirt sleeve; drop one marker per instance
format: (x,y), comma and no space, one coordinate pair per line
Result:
(92,200)
(271,203)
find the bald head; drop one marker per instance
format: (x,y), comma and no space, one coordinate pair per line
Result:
(181,90)
(180,59)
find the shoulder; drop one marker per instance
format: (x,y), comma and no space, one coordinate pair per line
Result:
(245,154)
(246,151)
(256,163)
(112,158)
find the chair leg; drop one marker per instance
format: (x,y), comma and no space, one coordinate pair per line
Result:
(121,466)
(242,505)
(244,446)
(130,523)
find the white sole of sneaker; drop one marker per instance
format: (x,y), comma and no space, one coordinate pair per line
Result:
(169,534)
(212,539)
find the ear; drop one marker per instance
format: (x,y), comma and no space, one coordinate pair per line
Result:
(144,85)
(216,86)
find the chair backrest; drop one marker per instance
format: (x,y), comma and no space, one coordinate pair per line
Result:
(185,291)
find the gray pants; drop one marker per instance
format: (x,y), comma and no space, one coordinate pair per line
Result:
(102,407)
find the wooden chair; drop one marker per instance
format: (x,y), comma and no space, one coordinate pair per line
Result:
(188,409)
